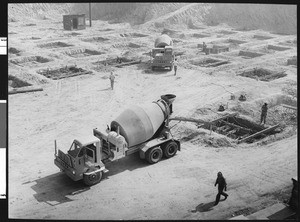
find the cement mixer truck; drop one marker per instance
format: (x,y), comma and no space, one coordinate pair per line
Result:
(162,54)
(143,129)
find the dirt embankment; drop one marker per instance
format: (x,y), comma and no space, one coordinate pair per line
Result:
(275,18)
(21,11)
(280,19)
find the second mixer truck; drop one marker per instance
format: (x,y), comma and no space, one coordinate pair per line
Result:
(162,54)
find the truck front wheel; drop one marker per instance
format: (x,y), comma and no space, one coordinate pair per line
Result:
(154,155)
(170,149)
(92,179)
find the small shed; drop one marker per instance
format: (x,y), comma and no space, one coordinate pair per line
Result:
(72,22)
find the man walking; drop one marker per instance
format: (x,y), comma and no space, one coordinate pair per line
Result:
(112,80)
(221,185)
(264,110)
(175,66)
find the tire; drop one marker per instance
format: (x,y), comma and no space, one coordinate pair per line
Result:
(170,149)
(154,155)
(92,179)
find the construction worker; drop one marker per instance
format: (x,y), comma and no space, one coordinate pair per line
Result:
(204,47)
(175,64)
(221,185)
(264,110)
(112,80)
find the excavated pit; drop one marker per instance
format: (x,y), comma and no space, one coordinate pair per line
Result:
(15,82)
(196,35)
(235,41)
(64,72)
(114,61)
(13,50)
(133,35)
(277,48)
(208,62)
(263,74)
(262,37)
(74,34)
(95,39)
(249,55)
(227,32)
(82,53)
(292,61)
(30,24)
(54,45)
(30,60)
(133,45)
(289,42)
(239,128)
(31,38)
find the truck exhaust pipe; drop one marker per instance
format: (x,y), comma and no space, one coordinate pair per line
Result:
(55,147)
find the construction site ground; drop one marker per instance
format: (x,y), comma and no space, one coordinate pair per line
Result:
(258,174)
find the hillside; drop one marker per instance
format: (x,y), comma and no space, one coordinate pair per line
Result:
(280,19)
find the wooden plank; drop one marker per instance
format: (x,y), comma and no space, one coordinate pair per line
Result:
(223,117)
(259,133)
(289,107)
(15,91)
(234,125)
(71,75)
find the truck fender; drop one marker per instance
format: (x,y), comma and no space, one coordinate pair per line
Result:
(95,171)
(178,143)
(143,151)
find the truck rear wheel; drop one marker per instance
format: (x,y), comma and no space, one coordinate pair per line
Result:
(170,149)
(92,179)
(154,155)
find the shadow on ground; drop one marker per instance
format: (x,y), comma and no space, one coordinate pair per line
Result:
(55,189)
(59,188)
(204,207)
(130,163)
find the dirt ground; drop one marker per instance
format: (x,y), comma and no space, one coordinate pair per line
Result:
(258,174)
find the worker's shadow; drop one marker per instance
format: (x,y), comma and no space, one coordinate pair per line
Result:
(204,207)
(56,189)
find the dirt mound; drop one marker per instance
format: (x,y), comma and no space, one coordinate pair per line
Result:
(17,12)
(280,19)
(276,18)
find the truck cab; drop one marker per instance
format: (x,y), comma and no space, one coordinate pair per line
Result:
(82,161)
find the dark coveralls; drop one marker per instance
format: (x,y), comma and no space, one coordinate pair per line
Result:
(175,67)
(222,185)
(264,110)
